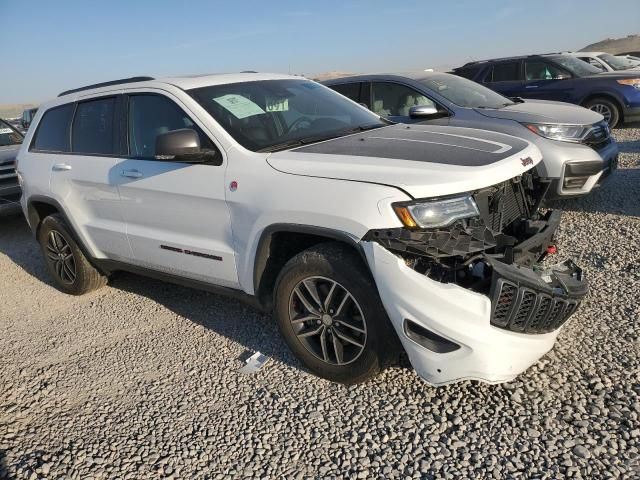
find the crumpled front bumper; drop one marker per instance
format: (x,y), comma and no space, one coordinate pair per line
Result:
(447,330)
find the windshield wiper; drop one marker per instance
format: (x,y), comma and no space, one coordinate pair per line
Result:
(318,138)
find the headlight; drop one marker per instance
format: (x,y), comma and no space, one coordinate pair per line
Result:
(436,213)
(565,133)
(634,82)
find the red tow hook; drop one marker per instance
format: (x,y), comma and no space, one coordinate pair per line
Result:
(552,249)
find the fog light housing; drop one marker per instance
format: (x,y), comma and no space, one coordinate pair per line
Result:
(574,182)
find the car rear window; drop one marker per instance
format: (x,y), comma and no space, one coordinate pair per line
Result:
(504,72)
(93,131)
(53,130)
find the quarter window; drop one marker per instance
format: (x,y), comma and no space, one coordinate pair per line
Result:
(153,115)
(504,72)
(394,99)
(93,130)
(53,131)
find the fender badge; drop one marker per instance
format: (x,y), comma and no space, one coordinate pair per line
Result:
(526,161)
(233,186)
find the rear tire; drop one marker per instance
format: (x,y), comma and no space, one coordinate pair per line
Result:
(71,271)
(326,291)
(605,107)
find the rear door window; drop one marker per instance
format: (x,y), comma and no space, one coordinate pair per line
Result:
(349,90)
(504,72)
(53,130)
(93,127)
(357,91)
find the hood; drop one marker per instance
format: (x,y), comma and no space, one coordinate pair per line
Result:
(541,111)
(424,161)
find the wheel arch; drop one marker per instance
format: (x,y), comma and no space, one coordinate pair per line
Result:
(607,96)
(40,207)
(279,243)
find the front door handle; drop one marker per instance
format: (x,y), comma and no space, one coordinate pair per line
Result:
(131,173)
(59,167)
(532,86)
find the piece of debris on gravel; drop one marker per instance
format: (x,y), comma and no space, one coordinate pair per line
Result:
(140,380)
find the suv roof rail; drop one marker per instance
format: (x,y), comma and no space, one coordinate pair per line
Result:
(533,55)
(107,84)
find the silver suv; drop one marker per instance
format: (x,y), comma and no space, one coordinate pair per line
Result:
(577,149)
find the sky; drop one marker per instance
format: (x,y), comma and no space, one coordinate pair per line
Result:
(51,46)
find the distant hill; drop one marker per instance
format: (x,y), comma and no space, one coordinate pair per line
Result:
(615,46)
(321,77)
(14,110)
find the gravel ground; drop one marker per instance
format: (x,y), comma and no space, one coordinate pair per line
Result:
(139,380)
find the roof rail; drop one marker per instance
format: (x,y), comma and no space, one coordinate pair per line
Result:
(107,84)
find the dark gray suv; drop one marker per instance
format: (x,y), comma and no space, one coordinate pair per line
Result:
(577,149)
(10,141)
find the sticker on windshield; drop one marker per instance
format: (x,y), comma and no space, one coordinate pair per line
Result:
(6,130)
(239,106)
(277,104)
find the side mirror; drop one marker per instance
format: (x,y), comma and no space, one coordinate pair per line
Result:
(424,111)
(184,146)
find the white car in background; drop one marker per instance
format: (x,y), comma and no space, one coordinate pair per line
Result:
(606,61)
(354,232)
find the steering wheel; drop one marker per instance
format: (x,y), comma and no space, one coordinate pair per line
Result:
(296,122)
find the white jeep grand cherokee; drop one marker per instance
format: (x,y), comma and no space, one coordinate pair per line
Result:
(354,231)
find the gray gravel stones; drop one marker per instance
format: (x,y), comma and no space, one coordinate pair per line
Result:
(139,380)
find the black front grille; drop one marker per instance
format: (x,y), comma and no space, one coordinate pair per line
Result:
(523,310)
(8,177)
(7,169)
(599,136)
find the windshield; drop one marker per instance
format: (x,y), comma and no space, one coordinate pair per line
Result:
(269,115)
(618,63)
(463,92)
(8,136)
(576,66)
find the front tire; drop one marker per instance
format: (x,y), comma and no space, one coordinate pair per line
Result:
(329,313)
(71,271)
(605,107)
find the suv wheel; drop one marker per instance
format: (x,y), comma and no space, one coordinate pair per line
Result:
(70,269)
(605,107)
(331,316)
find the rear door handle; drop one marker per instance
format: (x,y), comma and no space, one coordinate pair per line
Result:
(532,86)
(131,173)
(59,167)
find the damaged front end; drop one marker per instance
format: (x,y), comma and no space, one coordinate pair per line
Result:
(498,252)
